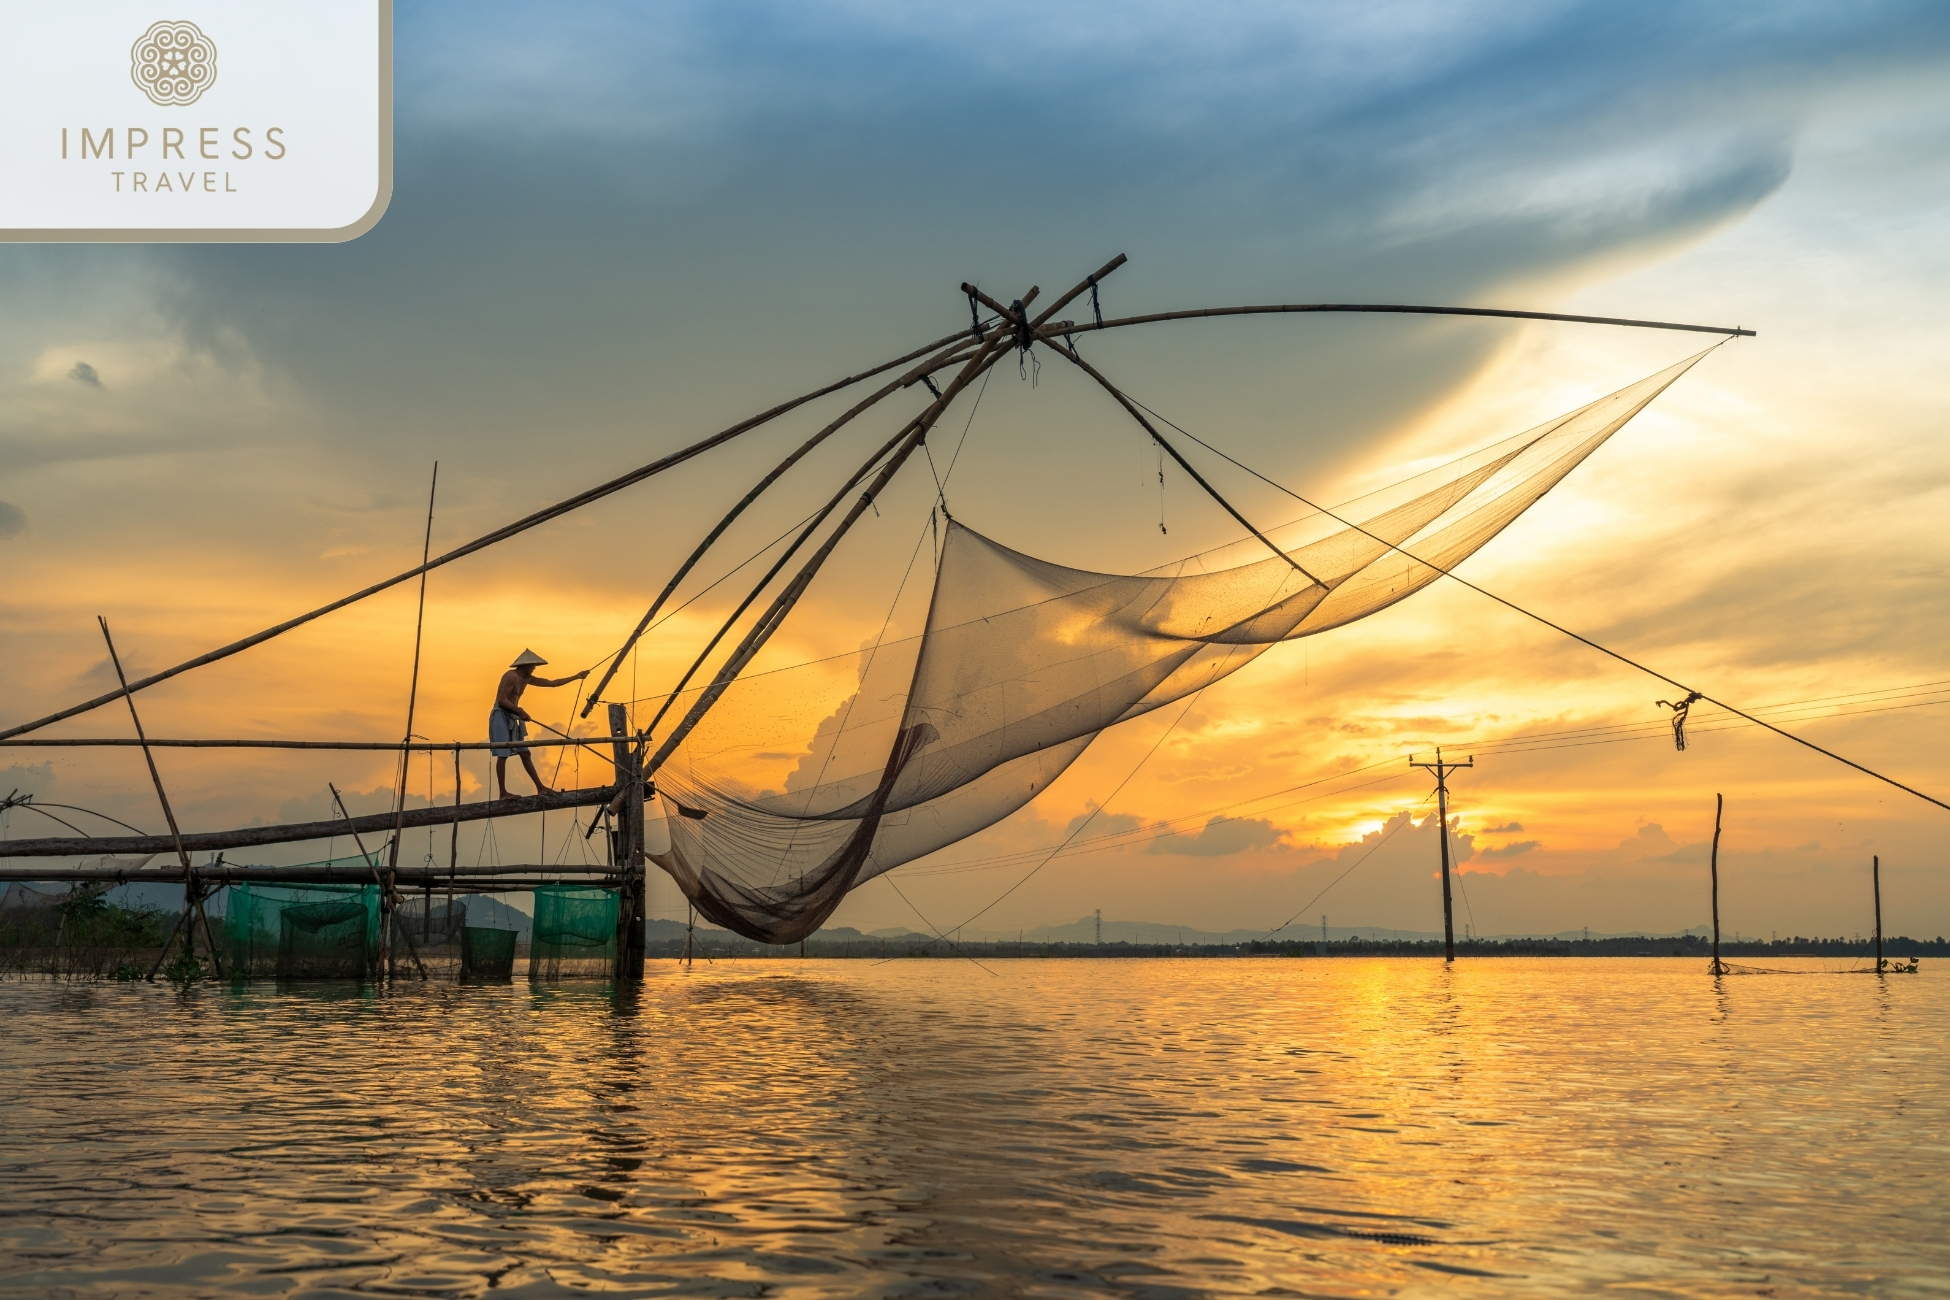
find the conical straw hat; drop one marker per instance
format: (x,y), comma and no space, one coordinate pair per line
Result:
(526,658)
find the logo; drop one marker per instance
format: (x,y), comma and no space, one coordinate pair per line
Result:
(173,63)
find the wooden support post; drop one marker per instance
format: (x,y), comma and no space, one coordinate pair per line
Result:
(453,842)
(1719,805)
(1875,875)
(626,840)
(384,879)
(636,880)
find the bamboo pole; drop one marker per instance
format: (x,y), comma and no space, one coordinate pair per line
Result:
(413,698)
(253,836)
(785,557)
(1394,309)
(500,534)
(192,893)
(782,604)
(110,742)
(386,890)
(988,340)
(690,562)
(237,875)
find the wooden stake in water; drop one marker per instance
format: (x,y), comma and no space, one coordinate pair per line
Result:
(1875,875)
(192,888)
(1719,805)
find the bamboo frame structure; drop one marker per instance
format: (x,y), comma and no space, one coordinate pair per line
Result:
(291,833)
(970,352)
(939,359)
(990,352)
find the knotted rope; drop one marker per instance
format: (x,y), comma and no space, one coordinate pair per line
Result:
(1679,712)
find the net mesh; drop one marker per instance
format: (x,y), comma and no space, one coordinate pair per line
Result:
(574,934)
(801,784)
(324,940)
(487,954)
(300,931)
(429,928)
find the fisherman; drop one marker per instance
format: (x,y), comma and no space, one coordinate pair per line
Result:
(508,723)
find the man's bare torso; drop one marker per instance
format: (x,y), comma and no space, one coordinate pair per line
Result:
(508,694)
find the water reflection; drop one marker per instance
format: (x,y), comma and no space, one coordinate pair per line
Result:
(1141,1128)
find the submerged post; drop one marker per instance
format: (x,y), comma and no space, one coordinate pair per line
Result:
(453,841)
(1442,771)
(1875,876)
(1719,804)
(626,846)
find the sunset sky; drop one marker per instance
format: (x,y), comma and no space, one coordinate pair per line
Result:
(616,231)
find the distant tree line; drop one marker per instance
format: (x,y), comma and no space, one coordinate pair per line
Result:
(718,944)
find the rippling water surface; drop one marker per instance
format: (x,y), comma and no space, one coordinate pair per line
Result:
(1131,1128)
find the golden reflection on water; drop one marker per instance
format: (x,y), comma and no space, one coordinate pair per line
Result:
(845,1128)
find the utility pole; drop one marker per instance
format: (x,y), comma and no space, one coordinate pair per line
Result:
(1100,927)
(1875,874)
(1442,771)
(1323,927)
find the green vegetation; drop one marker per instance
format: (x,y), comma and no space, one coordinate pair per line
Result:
(79,935)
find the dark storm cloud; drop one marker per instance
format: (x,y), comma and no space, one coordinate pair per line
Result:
(13,520)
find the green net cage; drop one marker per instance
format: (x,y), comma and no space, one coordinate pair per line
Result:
(427,929)
(487,954)
(326,940)
(335,934)
(574,934)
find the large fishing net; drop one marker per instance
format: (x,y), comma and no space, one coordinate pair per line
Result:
(803,783)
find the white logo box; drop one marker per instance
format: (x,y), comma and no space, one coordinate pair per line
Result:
(196,120)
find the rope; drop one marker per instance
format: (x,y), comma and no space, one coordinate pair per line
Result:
(1679,712)
(966,426)
(939,933)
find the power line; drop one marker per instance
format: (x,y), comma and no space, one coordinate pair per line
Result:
(1556,627)
(1517,744)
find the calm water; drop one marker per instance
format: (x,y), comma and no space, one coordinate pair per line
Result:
(1126,1128)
